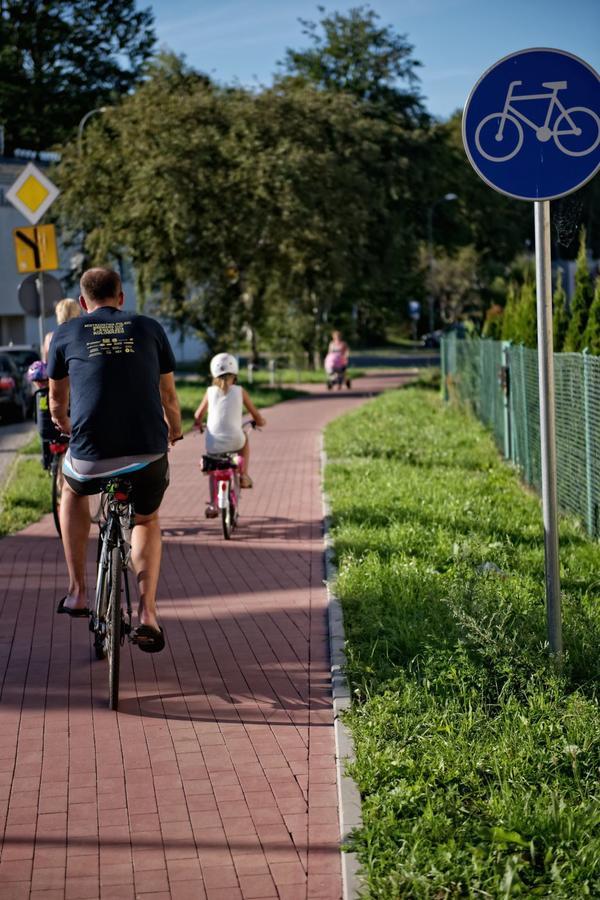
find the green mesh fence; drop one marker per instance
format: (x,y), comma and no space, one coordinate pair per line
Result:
(499,383)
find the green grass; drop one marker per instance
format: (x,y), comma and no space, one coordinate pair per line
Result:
(478,764)
(26,496)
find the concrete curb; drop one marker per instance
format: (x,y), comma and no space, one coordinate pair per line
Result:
(348,794)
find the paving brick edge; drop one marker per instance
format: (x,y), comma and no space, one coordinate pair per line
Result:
(350,814)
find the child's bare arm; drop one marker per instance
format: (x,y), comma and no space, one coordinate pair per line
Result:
(260,421)
(201,411)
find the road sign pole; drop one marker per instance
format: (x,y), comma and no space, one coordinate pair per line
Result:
(40,287)
(547,421)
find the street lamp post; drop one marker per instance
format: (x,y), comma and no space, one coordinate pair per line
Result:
(99,109)
(430,257)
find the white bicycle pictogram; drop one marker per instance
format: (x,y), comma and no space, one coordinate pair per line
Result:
(575,121)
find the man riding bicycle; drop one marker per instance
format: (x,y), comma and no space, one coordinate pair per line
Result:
(116,371)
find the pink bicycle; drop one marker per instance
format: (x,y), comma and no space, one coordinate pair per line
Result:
(224,471)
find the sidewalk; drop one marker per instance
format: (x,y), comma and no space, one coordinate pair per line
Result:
(216,779)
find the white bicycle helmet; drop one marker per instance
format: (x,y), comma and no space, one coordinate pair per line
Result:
(223,364)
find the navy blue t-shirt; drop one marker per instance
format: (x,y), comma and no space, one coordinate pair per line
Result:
(114,360)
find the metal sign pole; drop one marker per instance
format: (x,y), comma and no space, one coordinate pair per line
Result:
(40,287)
(547,420)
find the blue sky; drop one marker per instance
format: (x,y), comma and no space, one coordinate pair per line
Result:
(456,40)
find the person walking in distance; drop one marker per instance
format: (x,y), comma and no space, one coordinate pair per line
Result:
(115,370)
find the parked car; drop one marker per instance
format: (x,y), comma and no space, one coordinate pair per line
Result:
(433,340)
(14,391)
(23,355)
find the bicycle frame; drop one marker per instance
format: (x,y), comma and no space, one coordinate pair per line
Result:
(554,102)
(223,486)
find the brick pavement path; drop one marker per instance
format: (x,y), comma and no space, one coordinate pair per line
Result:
(216,778)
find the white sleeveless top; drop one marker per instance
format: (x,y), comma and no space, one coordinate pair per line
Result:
(224,425)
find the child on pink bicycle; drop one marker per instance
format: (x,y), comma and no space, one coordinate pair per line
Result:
(225,401)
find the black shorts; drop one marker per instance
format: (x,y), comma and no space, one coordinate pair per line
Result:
(148,485)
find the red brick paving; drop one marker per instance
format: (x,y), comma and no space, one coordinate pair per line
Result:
(216,778)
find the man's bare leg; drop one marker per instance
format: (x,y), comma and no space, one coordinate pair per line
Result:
(146,547)
(75,528)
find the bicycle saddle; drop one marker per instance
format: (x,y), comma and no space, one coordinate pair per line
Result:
(559,85)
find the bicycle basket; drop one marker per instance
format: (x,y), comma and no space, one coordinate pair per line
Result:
(214,463)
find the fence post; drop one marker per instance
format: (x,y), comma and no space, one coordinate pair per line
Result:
(525,417)
(506,403)
(587,418)
(443,370)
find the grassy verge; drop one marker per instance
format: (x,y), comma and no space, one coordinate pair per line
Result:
(477,763)
(26,496)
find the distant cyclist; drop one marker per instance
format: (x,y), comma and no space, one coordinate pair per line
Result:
(37,374)
(116,370)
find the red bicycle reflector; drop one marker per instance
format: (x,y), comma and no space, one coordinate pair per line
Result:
(57,448)
(6,383)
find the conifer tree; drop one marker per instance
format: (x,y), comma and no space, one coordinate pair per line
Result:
(560,317)
(509,332)
(591,337)
(582,300)
(526,316)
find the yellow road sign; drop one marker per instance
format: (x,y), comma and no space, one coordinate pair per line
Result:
(32,193)
(36,248)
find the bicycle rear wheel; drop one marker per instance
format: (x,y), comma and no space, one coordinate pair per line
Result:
(226,522)
(114,628)
(57,486)
(225,506)
(102,587)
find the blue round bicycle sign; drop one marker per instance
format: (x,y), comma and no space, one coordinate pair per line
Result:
(531,125)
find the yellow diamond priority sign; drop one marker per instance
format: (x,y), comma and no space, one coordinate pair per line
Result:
(32,193)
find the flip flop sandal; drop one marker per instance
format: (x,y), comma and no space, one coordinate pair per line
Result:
(148,639)
(74,613)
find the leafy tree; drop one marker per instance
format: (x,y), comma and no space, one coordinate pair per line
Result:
(352,53)
(258,204)
(453,281)
(62,58)
(591,337)
(581,302)
(560,317)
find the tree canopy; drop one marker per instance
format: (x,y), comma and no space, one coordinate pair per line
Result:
(353,54)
